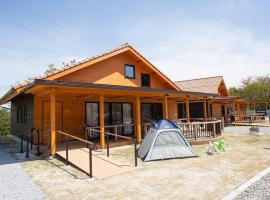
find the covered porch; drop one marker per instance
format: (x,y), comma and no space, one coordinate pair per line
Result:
(232,109)
(78,108)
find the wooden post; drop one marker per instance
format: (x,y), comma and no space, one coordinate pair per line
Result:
(138,119)
(214,130)
(225,112)
(165,107)
(187,110)
(101,121)
(53,124)
(234,111)
(238,112)
(209,109)
(204,109)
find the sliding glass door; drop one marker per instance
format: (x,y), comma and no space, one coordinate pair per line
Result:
(128,118)
(151,112)
(114,114)
(92,114)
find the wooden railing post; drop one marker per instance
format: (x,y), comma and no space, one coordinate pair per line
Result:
(135,152)
(90,162)
(108,147)
(67,151)
(222,123)
(21,143)
(115,132)
(193,130)
(214,129)
(38,147)
(27,147)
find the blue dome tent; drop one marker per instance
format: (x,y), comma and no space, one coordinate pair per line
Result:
(164,141)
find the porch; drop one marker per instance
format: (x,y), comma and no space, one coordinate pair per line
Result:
(75,108)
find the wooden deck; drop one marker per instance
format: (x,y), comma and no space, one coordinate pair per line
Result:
(102,166)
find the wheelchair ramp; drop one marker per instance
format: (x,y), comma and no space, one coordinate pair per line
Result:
(103,166)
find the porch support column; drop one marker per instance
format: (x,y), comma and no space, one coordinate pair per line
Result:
(226,111)
(209,110)
(138,119)
(234,111)
(53,124)
(165,108)
(204,109)
(101,121)
(187,110)
(238,112)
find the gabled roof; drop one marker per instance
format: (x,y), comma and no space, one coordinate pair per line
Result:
(205,85)
(97,58)
(15,90)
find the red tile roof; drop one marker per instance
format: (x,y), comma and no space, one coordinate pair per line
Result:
(205,85)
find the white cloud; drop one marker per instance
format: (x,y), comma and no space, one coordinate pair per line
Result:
(185,49)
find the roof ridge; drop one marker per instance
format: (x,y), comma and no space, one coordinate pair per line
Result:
(199,78)
(25,82)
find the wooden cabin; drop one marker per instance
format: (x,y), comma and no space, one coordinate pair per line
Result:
(221,106)
(118,89)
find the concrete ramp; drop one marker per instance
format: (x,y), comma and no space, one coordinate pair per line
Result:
(102,166)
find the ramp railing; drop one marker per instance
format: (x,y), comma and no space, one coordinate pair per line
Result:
(107,134)
(90,145)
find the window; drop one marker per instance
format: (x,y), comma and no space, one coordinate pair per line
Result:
(22,114)
(145,80)
(130,71)
(92,114)
(151,112)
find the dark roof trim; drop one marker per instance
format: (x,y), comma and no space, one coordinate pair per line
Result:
(111,87)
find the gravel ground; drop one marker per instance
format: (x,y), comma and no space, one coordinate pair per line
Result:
(14,182)
(260,190)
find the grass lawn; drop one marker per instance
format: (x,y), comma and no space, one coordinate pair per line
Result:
(205,177)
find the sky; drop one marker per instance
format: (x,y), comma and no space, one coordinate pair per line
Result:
(184,39)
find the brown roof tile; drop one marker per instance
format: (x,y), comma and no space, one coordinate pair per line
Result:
(205,85)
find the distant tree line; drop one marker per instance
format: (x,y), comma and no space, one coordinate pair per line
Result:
(253,88)
(52,68)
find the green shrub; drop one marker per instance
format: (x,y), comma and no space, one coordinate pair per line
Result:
(4,122)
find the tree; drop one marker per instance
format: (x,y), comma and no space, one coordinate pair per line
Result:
(253,88)
(51,69)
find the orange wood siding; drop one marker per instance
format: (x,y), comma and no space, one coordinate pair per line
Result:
(173,110)
(70,112)
(222,90)
(111,71)
(216,110)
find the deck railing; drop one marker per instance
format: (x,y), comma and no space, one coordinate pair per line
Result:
(201,130)
(198,128)
(245,118)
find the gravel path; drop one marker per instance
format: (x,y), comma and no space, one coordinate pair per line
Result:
(260,190)
(14,182)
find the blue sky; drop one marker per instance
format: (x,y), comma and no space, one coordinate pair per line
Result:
(184,39)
